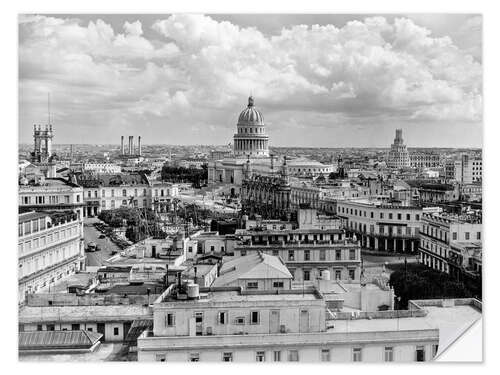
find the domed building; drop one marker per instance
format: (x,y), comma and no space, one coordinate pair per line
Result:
(250,144)
(251,138)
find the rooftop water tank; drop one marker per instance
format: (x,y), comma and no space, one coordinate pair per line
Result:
(193,291)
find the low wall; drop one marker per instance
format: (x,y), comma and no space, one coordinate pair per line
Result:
(389,314)
(67,299)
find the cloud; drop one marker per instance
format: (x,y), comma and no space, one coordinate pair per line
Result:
(200,70)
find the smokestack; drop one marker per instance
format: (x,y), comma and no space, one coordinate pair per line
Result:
(122,149)
(139,150)
(130,144)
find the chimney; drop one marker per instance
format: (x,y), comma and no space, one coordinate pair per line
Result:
(122,149)
(130,144)
(139,151)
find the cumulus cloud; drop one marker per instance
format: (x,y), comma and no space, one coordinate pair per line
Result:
(199,69)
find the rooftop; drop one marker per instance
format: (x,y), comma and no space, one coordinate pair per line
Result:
(47,340)
(253,266)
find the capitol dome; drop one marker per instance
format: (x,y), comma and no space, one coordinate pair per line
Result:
(251,138)
(251,115)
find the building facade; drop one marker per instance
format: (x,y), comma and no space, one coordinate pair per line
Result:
(251,138)
(441,231)
(50,248)
(382,226)
(424,160)
(306,252)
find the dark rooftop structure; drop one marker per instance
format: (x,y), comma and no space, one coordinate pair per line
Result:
(57,341)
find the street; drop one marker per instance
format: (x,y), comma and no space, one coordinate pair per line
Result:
(91,234)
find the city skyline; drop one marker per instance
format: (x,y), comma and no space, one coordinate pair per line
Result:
(183,79)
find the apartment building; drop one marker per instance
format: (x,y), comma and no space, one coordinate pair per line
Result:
(380,225)
(440,232)
(50,248)
(306,252)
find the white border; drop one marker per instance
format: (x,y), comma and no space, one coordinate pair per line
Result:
(9,151)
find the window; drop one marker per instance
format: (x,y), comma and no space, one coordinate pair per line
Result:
(408,217)
(275,253)
(352,254)
(467,235)
(278,284)
(254,317)
(381,215)
(160,358)
(116,331)
(399,216)
(435,349)
(390,215)
(352,274)
(338,274)
(170,320)
(260,356)
(89,329)
(124,192)
(293,355)
(420,354)
(243,253)
(222,317)
(39,327)
(371,215)
(50,327)
(338,254)
(277,356)
(325,355)
(75,327)
(454,235)
(389,354)
(291,255)
(252,285)
(194,357)
(307,275)
(322,255)
(239,320)
(227,357)
(417,217)
(307,255)
(356,354)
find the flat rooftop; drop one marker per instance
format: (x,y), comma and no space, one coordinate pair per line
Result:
(230,294)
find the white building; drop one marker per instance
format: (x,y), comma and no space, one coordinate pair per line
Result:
(101,168)
(466,170)
(440,232)
(50,247)
(226,325)
(381,225)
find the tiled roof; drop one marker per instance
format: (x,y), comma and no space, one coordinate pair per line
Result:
(57,339)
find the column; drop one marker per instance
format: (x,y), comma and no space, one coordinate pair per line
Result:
(385,242)
(376,243)
(412,246)
(404,245)
(395,243)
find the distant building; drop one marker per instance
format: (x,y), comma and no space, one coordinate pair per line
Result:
(42,152)
(112,191)
(466,170)
(424,160)
(398,156)
(50,248)
(101,168)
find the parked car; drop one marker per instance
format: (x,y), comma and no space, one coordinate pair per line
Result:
(91,247)
(102,236)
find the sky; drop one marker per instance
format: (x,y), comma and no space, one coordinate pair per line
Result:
(319,80)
